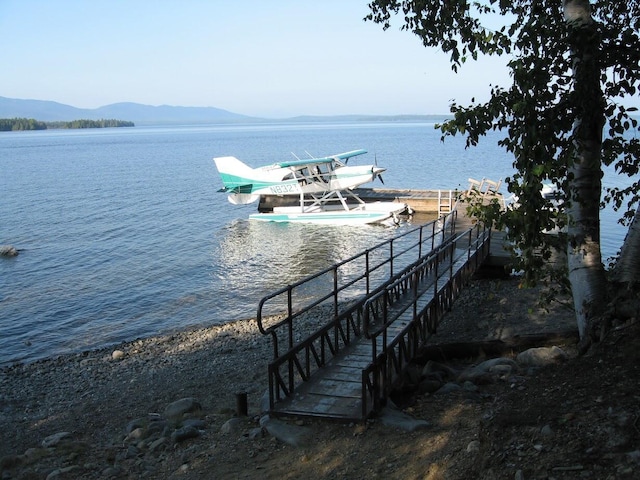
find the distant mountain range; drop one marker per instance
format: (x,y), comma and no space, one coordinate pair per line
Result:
(140,114)
(47,111)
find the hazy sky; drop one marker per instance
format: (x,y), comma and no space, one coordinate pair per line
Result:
(269,58)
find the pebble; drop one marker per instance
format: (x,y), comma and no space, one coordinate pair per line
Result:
(230,426)
(117,355)
(474,446)
(182,406)
(185,433)
(546,431)
(62,472)
(53,440)
(634,456)
(542,356)
(448,388)
(158,444)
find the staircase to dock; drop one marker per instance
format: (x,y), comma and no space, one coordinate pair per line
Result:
(382,308)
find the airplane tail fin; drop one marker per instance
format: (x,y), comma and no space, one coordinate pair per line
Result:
(237,178)
(233,172)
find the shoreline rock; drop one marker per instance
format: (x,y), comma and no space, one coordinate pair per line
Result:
(8,251)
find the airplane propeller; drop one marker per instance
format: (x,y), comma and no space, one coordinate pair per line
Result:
(377,172)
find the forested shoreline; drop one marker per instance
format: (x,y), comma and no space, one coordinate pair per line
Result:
(16,124)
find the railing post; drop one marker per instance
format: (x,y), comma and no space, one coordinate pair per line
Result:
(335,291)
(366,273)
(385,318)
(454,220)
(416,277)
(435,276)
(272,392)
(451,258)
(290,321)
(290,313)
(433,235)
(365,410)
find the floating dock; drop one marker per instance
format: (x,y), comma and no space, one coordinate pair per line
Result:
(434,202)
(430,202)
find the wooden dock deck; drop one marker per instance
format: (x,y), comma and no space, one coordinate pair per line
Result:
(430,202)
(434,202)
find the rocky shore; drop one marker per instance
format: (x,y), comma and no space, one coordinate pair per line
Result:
(166,407)
(101,398)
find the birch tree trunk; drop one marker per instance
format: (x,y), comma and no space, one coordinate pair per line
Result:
(586,271)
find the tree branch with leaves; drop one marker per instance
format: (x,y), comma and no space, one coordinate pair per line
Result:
(573,65)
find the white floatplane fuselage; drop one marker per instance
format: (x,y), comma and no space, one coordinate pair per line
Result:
(323,187)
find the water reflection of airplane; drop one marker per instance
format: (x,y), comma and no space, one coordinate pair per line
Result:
(324,187)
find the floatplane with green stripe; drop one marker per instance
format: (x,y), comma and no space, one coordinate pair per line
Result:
(323,188)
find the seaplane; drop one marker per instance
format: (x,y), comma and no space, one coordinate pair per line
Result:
(313,190)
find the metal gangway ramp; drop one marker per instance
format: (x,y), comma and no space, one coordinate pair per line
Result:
(346,369)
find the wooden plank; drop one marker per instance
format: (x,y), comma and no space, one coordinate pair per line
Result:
(341,372)
(322,406)
(361,349)
(308,401)
(360,362)
(345,374)
(336,388)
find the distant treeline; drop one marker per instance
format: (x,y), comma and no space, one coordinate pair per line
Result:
(14,124)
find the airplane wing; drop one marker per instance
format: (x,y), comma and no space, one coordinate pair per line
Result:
(318,161)
(304,163)
(348,155)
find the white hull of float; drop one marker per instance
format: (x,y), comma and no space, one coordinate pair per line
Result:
(386,213)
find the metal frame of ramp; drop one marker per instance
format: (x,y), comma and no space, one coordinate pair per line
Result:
(346,368)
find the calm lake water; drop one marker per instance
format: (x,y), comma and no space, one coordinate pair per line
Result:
(123,234)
